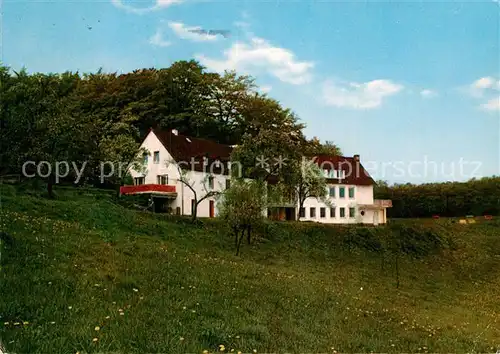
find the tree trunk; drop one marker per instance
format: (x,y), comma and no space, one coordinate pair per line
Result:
(50,187)
(248,234)
(239,242)
(194,213)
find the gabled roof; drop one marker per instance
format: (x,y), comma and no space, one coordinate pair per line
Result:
(186,149)
(355,173)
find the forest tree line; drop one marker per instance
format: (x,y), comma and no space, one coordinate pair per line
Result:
(450,199)
(95,117)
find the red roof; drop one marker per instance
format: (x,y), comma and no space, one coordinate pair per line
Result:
(355,173)
(186,149)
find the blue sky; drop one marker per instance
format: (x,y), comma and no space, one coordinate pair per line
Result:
(413,87)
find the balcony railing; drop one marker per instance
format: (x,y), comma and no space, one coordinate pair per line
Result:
(383,203)
(147,188)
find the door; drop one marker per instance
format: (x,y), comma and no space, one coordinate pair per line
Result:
(375,217)
(212,208)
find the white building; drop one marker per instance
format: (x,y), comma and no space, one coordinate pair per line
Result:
(205,165)
(349,196)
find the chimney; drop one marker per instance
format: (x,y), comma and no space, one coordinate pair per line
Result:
(175,132)
(356,158)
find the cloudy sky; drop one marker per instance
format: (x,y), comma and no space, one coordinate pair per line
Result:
(413,87)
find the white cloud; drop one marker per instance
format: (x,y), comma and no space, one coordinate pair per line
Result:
(193,33)
(159,4)
(480,86)
(492,105)
(258,56)
(157,40)
(426,93)
(367,95)
(486,87)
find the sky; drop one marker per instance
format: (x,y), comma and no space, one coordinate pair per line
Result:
(412,87)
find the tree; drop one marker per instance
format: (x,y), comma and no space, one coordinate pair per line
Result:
(242,208)
(309,182)
(328,148)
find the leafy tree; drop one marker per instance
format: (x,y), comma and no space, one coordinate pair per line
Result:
(242,207)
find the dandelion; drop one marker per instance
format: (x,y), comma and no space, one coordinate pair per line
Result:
(184,307)
(26,323)
(97,328)
(52,322)
(136,290)
(205,351)
(70,307)
(122,314)
(6,323)
(222,348)
(193,311)
(107,317)
(237,337)
(120,310)
(181,339)
(16,323)
(95,340)
(255,350)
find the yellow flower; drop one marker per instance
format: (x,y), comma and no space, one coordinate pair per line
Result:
(16,323)
(95,340)
(97,328)
(181,339)
(25,322)
(6,323)
(205,351)
(222,348)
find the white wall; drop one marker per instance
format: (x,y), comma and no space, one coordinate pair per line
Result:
(362,195)
(167,165)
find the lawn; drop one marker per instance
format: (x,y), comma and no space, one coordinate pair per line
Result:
(84,274)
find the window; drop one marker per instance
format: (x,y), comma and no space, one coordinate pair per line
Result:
(313,212)
(325,173)
(156,157)
(332,192)
(138,181)
(342,212)
(302,212)
(331,173)
(351,192)
(322,212)
(162,179)
(228,183)
(341,192)
(211,182)
(145,158)
(352,212)
(332,212)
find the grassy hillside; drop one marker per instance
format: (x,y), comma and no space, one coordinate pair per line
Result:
(84,274)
